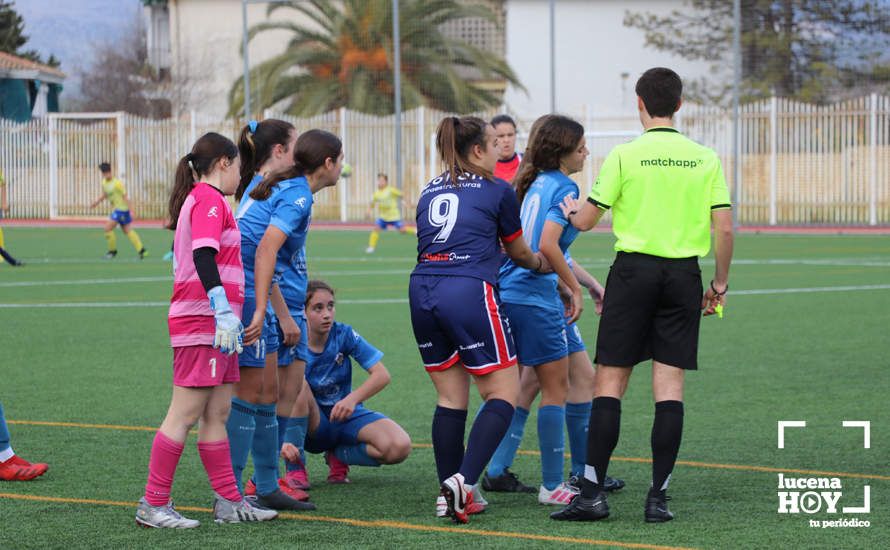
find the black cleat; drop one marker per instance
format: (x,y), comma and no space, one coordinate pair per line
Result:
(657,510)
(610,485)
(584,509)
(277,500)
(110,254)
(505,483)
(143,253)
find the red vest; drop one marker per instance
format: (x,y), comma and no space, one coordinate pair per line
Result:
(506,169)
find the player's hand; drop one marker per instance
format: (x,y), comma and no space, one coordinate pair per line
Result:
(228,326)
(289,452)
(545,265)
(255,329)
(712,301)
(290,329)
(577,305)
(598,293)
(570,206)
(343,410)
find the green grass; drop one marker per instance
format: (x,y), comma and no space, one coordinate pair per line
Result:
(815,356)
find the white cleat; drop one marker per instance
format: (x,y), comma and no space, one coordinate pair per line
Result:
(561,495)
(162,517)
(369,250)
(454,491)
(226,511)
(478,497)
(441,507)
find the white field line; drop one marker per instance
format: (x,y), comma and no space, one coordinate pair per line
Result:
(752,292)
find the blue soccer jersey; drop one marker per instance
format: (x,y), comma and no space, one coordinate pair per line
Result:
(291,205)
(541,204)
(253,219)
(329,373)
(459,226)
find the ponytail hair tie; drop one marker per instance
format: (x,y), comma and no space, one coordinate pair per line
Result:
(252,125)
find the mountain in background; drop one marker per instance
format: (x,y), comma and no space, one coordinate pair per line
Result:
(71,29)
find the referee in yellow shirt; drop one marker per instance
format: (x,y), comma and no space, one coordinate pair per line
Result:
(665,192)
(113,190)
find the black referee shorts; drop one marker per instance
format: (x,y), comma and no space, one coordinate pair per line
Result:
(652,310)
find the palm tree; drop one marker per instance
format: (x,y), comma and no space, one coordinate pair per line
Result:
(342,57)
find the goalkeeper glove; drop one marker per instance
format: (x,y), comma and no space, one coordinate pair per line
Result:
(228,325)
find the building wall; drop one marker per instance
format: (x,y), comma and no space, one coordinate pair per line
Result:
(598,59)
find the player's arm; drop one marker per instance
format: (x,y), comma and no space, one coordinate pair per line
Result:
(98,201)
(549,247)
(377,380)
(264,269)
(289,327)
(588,281)
(715,294)
(518,251)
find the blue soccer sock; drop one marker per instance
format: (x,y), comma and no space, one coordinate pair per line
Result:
(5,448)
(296,436)
(265,450)
(552,442)
(487,432)
(283,423)
(449,426)
(240,428)
(577,420)
(355,455)
(506,452)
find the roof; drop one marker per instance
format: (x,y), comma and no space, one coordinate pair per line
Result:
(13,66)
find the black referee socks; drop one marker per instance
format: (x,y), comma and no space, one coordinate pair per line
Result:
(602,436)
(667,431)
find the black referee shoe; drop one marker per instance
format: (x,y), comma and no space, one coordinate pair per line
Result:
(277,500)
(656,508)
(584,509)
(505,483)
(610,484)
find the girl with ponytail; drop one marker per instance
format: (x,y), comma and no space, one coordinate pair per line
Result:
(464,217)
(205,332)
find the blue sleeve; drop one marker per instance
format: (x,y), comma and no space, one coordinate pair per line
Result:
(509,226)
(290,207)
(359,349)
(568,257)
(554,213)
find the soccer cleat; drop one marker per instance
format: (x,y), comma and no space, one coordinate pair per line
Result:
(293,492)
(337,469)
(162,516)
(478,497)
(168,257)
(226,511)
(560,495)
(250,488)
(110,254)
(278,500)
(656,508)
(472,507)
(19,469)
(610,484)
(505,483)
(369,250)
(143,253)
(298,479)
(456,497)
(584,509)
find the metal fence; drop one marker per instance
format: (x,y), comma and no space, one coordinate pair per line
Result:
(801,164)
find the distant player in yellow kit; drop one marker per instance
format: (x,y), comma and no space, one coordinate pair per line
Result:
(388,201)
(113,190)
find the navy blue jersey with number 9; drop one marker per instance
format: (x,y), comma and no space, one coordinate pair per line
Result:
(459,226)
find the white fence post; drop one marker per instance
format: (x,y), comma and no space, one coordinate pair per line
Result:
(343,188)
(121,144)
(193,127)
(873,161)
(53,169)
(773,156)
(421,139)
(432,157)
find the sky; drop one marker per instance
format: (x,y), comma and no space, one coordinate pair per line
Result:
(71,29)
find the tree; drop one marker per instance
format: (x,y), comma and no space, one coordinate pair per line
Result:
(342,57)
(812,50)
(12,35)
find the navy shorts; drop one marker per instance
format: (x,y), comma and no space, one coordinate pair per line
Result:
(254,355)
(298,351)
(459,319)
(383,224)
(122,217)
(331,435)
(540,333)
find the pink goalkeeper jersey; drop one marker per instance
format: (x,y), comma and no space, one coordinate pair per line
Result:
(205,220)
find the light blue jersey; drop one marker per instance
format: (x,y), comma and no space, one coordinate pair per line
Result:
(329,373)
(518,285)
(253,219)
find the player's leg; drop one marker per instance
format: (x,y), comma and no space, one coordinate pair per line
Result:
(110,238)
(290,383)
(404,229)
(667,432)
(498,477)
(298,427)
(553,378)
(12,466)
(379,438)
(374,237)
(134,237)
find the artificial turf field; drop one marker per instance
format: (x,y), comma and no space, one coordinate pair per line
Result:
(85,374)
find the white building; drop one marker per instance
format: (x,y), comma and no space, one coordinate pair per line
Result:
(598,59)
